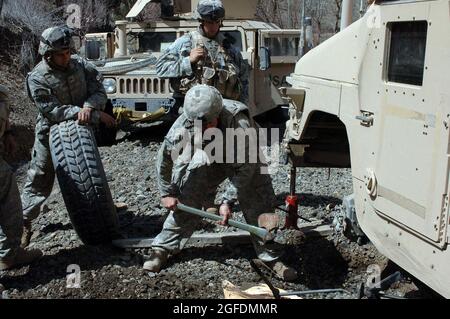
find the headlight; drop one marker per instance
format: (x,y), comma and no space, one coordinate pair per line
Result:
(109,85)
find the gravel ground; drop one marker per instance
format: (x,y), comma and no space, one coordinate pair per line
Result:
(108,272)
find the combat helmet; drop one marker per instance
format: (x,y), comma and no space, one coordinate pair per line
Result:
(56,39)
(203,102)
(210,10)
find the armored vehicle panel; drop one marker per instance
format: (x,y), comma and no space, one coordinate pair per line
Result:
(375,98)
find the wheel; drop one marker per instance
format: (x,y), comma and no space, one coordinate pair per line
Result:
(83,183)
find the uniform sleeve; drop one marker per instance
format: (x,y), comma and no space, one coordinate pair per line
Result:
(243,76)
(97,97)
(174,62)
(4,115)
(245,172)
(47,104)
(164,166)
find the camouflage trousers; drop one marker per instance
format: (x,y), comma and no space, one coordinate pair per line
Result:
(11,221)
(198,190)
(40,178)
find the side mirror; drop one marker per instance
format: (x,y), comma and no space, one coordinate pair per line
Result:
(264,58)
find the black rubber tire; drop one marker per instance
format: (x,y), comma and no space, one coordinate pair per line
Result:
(83,183)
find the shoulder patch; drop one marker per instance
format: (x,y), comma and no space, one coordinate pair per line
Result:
(42,92)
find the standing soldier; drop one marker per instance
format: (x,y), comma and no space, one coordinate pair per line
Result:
(205,56)
(11,220)
(63,87)
(193,180)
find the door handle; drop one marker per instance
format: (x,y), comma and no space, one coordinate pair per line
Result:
(366,120)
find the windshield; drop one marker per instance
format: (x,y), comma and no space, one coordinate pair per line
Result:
(155,41)
(143,42)
(283,46)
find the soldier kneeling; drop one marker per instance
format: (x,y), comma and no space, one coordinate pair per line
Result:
(192,178)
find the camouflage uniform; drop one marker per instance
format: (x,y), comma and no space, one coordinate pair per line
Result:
(195,182)
(59,95)
(11,222)
(224,68)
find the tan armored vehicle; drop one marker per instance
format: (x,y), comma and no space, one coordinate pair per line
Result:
(376,98)
(127,57)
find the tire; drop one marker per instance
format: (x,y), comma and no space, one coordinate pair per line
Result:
(83,183)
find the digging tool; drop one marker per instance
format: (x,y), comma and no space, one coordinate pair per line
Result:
(261,233)
(268,231)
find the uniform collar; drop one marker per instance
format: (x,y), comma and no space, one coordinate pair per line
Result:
(52,67)
(202,33)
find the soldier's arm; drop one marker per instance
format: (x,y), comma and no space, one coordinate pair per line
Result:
(164,165)
(97,97)
(243,76)
(174,62)
(47,104)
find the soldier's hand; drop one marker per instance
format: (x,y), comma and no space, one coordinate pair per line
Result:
(84,116)
(196,55)
(10,144)
(226,213)
(107,119)
(169,203)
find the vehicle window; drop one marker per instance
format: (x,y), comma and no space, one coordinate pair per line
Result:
(283,46)
(159,41)
(234,37)
(94,49)
(154,41)
(407,52)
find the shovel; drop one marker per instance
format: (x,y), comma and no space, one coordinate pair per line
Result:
(259,232)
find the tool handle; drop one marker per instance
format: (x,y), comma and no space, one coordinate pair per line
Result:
(262,233)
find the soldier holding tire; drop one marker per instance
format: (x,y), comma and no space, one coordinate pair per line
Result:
(63,87)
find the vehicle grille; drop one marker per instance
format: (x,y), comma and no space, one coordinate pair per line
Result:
(132,85)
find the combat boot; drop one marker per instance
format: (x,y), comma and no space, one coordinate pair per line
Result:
(282,271)
(26,235)
(20,258)
(157,261)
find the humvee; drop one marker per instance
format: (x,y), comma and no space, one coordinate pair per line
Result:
(375,97)
(125,56)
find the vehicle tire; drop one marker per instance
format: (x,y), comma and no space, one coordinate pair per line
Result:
(83,183)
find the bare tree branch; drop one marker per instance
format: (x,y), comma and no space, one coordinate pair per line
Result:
(32,15)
